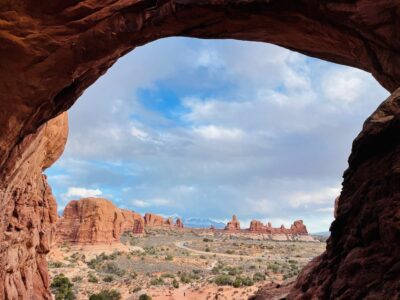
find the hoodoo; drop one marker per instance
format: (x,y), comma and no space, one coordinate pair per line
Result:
(51,51)
(233,225)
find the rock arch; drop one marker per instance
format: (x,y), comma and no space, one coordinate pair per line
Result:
(51,51)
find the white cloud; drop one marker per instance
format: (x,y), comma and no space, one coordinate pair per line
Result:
(82,192)
(150,202)
(322,196)
(218,133)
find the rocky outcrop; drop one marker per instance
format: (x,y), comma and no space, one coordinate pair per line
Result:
(29,214)
(179,223)
(297,228)
(363,252)
(233,225)
(157,221)
(153,220)
(51,51)
(96,220)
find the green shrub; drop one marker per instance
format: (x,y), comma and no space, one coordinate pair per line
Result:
(92,278)
(157,281)
(223,279)
(247,281)
(62,288)
(111,267)
(175,283)
(55,264)
(108,278)
(169,257)
(258,276)
(144,297)
(106,295)
(237,282)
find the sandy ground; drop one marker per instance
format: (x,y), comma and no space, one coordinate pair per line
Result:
(202,292)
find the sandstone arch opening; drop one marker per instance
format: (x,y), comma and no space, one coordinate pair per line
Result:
(362,256)
(158,143)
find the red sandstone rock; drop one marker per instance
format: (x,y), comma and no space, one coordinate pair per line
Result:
(179,224)
(298,228)
(29,215)
(153,220)
(51,51)
(96,220)
(233,225)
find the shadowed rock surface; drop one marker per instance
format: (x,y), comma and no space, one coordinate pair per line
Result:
(51,51)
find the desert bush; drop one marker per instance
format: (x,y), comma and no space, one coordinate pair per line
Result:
(157,281)
(247,281)
(223,279)
(92,278)
(108,278)
(144,297)
(258,276)
(229,251)
(55,264)
(61,286)
(207,240)
(175,283)
(169,257)
(111,267)
(106,295)
(207,249)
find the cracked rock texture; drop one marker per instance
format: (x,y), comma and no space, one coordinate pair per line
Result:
(29,213)
(51,51)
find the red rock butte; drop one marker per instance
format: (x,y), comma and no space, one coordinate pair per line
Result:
(297,228)
(96,220)
(51,51)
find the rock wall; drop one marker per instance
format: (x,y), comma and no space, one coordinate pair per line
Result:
(153,220)
(297,228)
(362,260)
(51,51)
(29,213)
(96,220)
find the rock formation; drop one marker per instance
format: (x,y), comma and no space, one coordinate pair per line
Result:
(96,220)
(233,225)
(297,228)
(157,221)
(153,220)
(51,51)
(29,214)
(179,223)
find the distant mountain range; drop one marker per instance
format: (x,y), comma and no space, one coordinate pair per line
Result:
(202,223)
(323,233)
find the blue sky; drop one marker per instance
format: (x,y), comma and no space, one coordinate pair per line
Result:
(204,128)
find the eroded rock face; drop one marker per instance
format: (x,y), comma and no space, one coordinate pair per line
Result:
(297,228)
(362,260)
(233,225)
(153,220)
(29,213)
(51,51)
(96,220)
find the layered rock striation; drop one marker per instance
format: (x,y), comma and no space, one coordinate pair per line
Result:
(29,214)
(96,220)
